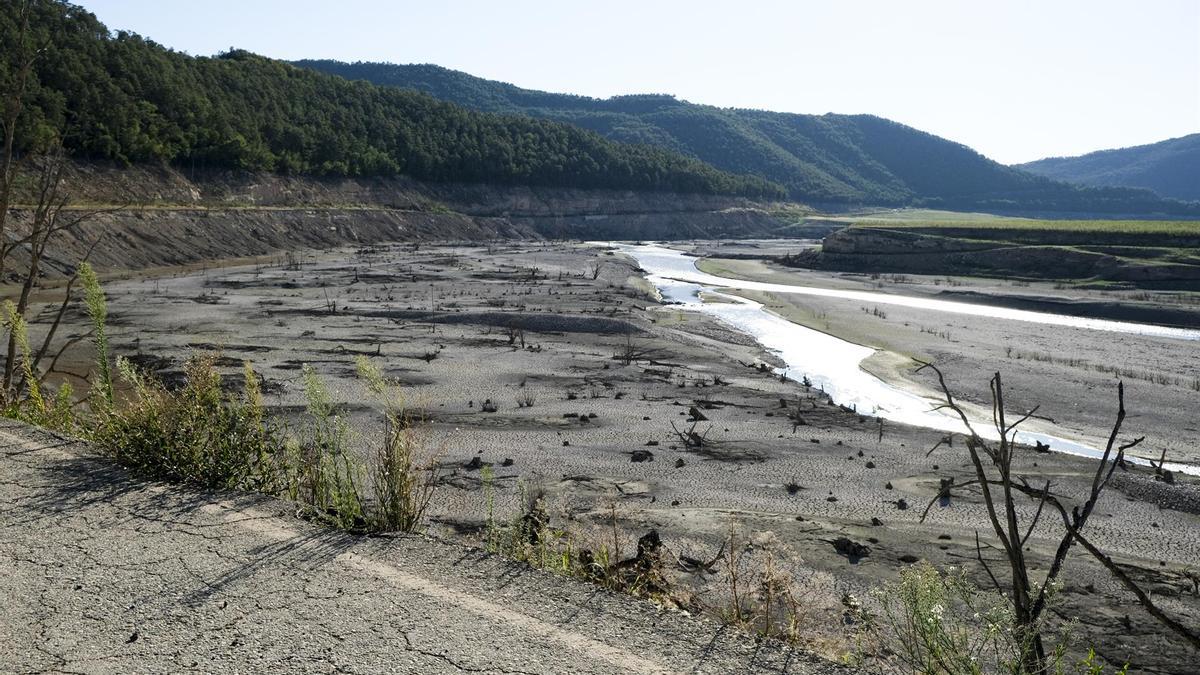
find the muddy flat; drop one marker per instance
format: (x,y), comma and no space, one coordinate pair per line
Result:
(556,366)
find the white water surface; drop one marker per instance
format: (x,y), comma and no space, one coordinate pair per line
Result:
(834,364)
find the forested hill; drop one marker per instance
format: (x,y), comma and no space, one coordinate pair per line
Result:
(849,159)
(123,98)
(1171,168)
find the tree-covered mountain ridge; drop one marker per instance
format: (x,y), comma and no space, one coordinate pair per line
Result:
(121,97)
(1170,168)
(831,159)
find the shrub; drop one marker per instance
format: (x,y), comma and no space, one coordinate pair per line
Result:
(323,471)
(196,434)
(932,621)
(940,623)
(33,407)
(402,486)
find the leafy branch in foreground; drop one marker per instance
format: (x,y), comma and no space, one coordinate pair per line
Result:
(1004,493)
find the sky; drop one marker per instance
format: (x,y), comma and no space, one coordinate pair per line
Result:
(1017,80)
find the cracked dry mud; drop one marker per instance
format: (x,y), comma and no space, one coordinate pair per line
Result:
(108,573)
(446,321)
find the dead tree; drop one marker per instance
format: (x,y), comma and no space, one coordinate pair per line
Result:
(15,83)
(631,351)
(690,437)
(51,218)
(1003,489)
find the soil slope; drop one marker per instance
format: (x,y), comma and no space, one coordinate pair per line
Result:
(153,217)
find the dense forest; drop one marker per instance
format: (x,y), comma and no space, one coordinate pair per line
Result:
(1170,168)
(123,98)
(823,159)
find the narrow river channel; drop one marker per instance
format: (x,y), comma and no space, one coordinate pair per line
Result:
(834,364)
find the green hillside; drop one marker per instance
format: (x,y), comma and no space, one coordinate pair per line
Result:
(836,159)
(120,97)
(1170,168)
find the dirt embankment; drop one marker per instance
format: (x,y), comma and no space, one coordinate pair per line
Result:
(1143,262)
(159,216)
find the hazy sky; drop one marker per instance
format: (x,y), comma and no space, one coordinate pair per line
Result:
(1015,79)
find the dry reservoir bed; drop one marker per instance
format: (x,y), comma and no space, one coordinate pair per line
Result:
(514,351)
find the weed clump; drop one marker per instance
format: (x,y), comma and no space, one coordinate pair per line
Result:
(195,435)
(403,486)
(35,406)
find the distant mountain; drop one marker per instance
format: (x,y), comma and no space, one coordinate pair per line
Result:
(821,159)
(120,97)
(1170,168)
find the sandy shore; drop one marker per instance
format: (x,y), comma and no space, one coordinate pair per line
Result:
(526,327)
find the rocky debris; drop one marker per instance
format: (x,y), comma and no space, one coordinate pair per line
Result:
(649,546)
(641,456)
(944,487)
(853,550)
(645,569)
(1157,490)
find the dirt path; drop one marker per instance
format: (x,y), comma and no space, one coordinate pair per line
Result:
(108,573)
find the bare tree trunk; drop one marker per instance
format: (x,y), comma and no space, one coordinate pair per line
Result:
(45,215)
(1002,489)
(13,104)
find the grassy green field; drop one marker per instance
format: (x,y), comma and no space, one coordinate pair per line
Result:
(1123,226)
(933,219)
(1185,227)
(921,215)
(1159,254)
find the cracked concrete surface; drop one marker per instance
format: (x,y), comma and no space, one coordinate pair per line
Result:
(104,572)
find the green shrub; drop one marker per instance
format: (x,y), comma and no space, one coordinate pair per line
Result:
(196,434)
(931,621)
(941,623)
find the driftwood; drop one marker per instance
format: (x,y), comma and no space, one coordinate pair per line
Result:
(690,437)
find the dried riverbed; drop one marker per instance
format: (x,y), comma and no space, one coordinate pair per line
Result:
(527,327)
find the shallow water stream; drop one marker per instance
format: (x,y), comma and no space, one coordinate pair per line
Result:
(834,365)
